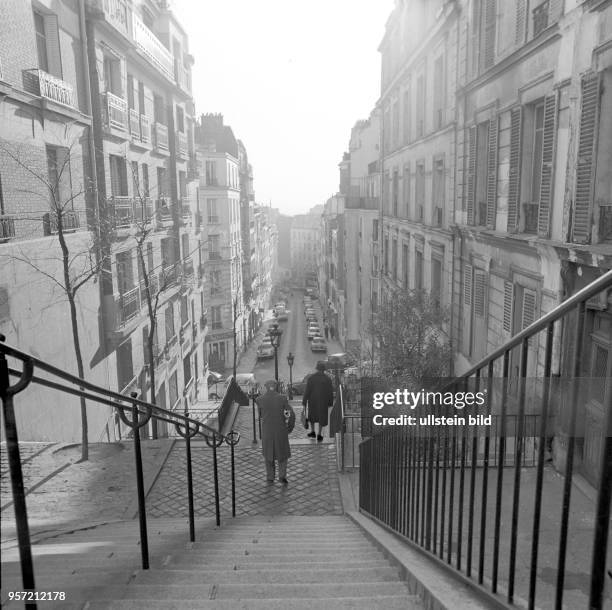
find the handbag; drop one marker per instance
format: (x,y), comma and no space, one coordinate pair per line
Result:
(304,418)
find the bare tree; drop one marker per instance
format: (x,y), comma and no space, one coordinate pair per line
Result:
(57,190)
(410,338)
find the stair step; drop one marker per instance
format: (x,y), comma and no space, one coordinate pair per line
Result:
(263,576)
(381,602)
(286,545)
(180,561)
(279,556)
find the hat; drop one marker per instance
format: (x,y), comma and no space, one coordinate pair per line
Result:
(321,366)
(270,384)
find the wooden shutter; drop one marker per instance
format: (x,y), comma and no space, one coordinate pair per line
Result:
(514,177)
(471,177)
(479,293)
(490,16)
(508,300)
(467,285)
(529,311)
(54,56)
(492,172)
(521,20)
(548,157)
(585,165)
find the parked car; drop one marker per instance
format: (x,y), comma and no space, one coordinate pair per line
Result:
(340,360)
(283,317)
(265,350)
(318,344)
(313,331)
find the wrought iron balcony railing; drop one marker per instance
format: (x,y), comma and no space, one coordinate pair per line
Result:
(134,125)
(162,209)
(7,227)
(145,129)
(55,89)
(134,413)
(122,211)
(188,269)
(429,483)
(160,136)
(152,48)
(116,112)
(70,221)
(129,304)
(605,223)
(185,207)
(530,212)
(181,144)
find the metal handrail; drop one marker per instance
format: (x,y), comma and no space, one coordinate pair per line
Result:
(421,482)
(141,412)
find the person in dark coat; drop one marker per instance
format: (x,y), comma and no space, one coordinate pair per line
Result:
(274,409)
(318,397)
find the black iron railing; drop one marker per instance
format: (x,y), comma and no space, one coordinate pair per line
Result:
(442,487)
(133,412)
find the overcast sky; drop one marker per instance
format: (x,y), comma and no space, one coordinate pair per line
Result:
(291,78)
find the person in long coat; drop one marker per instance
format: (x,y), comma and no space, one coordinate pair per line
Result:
(318,397)
(275,411)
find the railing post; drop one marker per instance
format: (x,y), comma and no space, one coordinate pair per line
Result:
(142,516)
(189,485)
(12,447)
(216,479)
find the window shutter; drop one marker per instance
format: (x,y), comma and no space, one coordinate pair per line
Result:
(508,299)
(479,293)
(490,16)
(471,178)
(585,167)
(548,153)
(467,285)
(492,172)
(521,15)
(529,306)
(514,178)
(54,57)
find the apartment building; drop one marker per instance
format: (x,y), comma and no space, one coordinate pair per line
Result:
(417,108)
(362,234)
(116,94)
(304,242)
(219,196)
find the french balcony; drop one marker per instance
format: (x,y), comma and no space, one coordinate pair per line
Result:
(71,220)
(162,209)
(122,212)
(143,209)
(153,287)
(185,207)
(129,304)
(134,125)
(168,276)
(7,227)
(540,17)
(116,13)
(530,213)
(145,129)
(160,137)
(117,112)
(152,48)
(181,144)
(188,270)
(55,89)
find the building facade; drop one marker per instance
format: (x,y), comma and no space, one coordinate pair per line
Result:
(304,238)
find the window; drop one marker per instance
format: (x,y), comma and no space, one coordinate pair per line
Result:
(474,311)
(438,192)
(180,119)
(215,317)
(186,370)
(159,109)
(184,310)
(419,194)
(394,259)
(48,43)
(213,247)
(405,263)
(418,269)
(41,41)
(125,368)
(185,245)
(215,282)
(173,390)
(135,180)
(395,192)
(112,75)
(438,93)
(125,272)
(211,173)
(145,180)
(420,106)
(60,178)
(406,191)
(182,184)
(169,321)
(167,252)
(407,110)
(211,209)
(482,174)
(436,279)
(161,182)
(130,92)
(119,181)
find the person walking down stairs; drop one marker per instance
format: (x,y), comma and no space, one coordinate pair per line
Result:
(318,397)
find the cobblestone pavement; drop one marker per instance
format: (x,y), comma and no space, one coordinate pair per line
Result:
(102,488)
(313,485)
(35,466)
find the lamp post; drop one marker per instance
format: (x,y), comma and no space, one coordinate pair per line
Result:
(290,359)
(275,336)
(253,394)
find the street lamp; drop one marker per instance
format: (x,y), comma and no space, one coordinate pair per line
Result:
(275,336)
(253,394)
(290,359)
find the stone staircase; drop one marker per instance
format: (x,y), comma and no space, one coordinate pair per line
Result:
(279,562)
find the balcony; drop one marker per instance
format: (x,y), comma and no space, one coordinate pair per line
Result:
(530,213)
(185,207)
(145,129)
(160,137)
(152,48)
(143,209)
(153,287)
(55,89)
(168,276)
(7,227)
(188,270)
(162,209)
(117,112)
(181,144)
(70,221)
(116,13)
(129,304)
(134,125)
(121,212)
(214,255)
